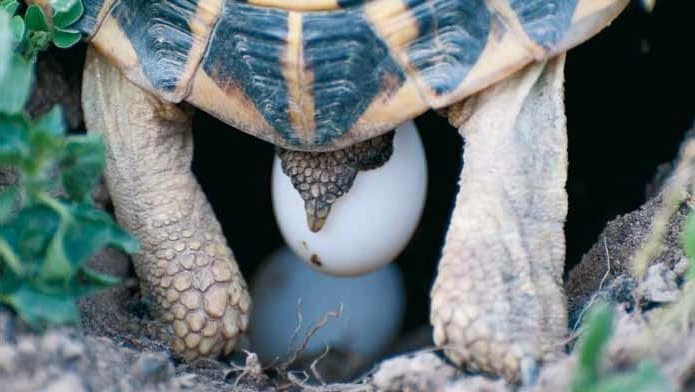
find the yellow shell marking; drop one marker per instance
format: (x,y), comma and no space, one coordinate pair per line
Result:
(299,80)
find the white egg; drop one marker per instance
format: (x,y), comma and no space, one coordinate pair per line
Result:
(372,309)
(370,225)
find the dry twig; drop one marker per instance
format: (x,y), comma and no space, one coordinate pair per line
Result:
(308,335)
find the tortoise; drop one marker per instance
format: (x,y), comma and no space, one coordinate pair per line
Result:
(307,76)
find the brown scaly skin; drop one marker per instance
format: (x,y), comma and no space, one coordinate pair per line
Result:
(497,303)
(184,262)
(323,177)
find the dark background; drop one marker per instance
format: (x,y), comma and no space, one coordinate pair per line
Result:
(629,98)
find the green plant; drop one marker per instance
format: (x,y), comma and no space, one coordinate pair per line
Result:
(34,32)
(645,377)
(46,238)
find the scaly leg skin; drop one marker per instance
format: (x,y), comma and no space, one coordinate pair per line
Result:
(497,303)
(321,178)
(184,262)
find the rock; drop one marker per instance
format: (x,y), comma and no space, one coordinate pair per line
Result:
(8,354)
(153,368)
(660,285)
(477,384)
(7,325)
(26,345)
(555,376)
(67,383)
(421,371)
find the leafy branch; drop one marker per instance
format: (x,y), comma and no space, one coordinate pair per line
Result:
(49,226)
(35,31)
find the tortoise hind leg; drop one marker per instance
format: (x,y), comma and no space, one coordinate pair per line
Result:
(184,262)
(497,303)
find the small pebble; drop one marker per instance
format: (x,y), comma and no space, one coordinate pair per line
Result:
(153,368)
(67,383)
(26,345)
(7,356)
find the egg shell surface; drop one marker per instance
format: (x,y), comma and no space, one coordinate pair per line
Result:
(372,309)
(371,224)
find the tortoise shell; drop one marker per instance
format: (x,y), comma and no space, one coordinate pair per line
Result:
(323,74)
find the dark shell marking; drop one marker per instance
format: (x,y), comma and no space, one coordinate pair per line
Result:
(88,23)
(321,80)
(350,64)
(452,34)
(161,36)
(246,50)
(545,21)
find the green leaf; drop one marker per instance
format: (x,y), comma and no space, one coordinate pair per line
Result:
(81,167)
(35,19)
(87,282)
(65,38)
(688,242)
(91,231)
(18,28)
(5,43)
(9,259)
(52,122)
(688,236)
(599,328)
(67,12)
(9,202)
(62,5)
(45,138)
(30,233)
(10,6)
(99,279)
(14,139)
(38,308)
(16,84)
(84,231)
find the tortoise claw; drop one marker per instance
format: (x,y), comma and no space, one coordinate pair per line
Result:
(316,214)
